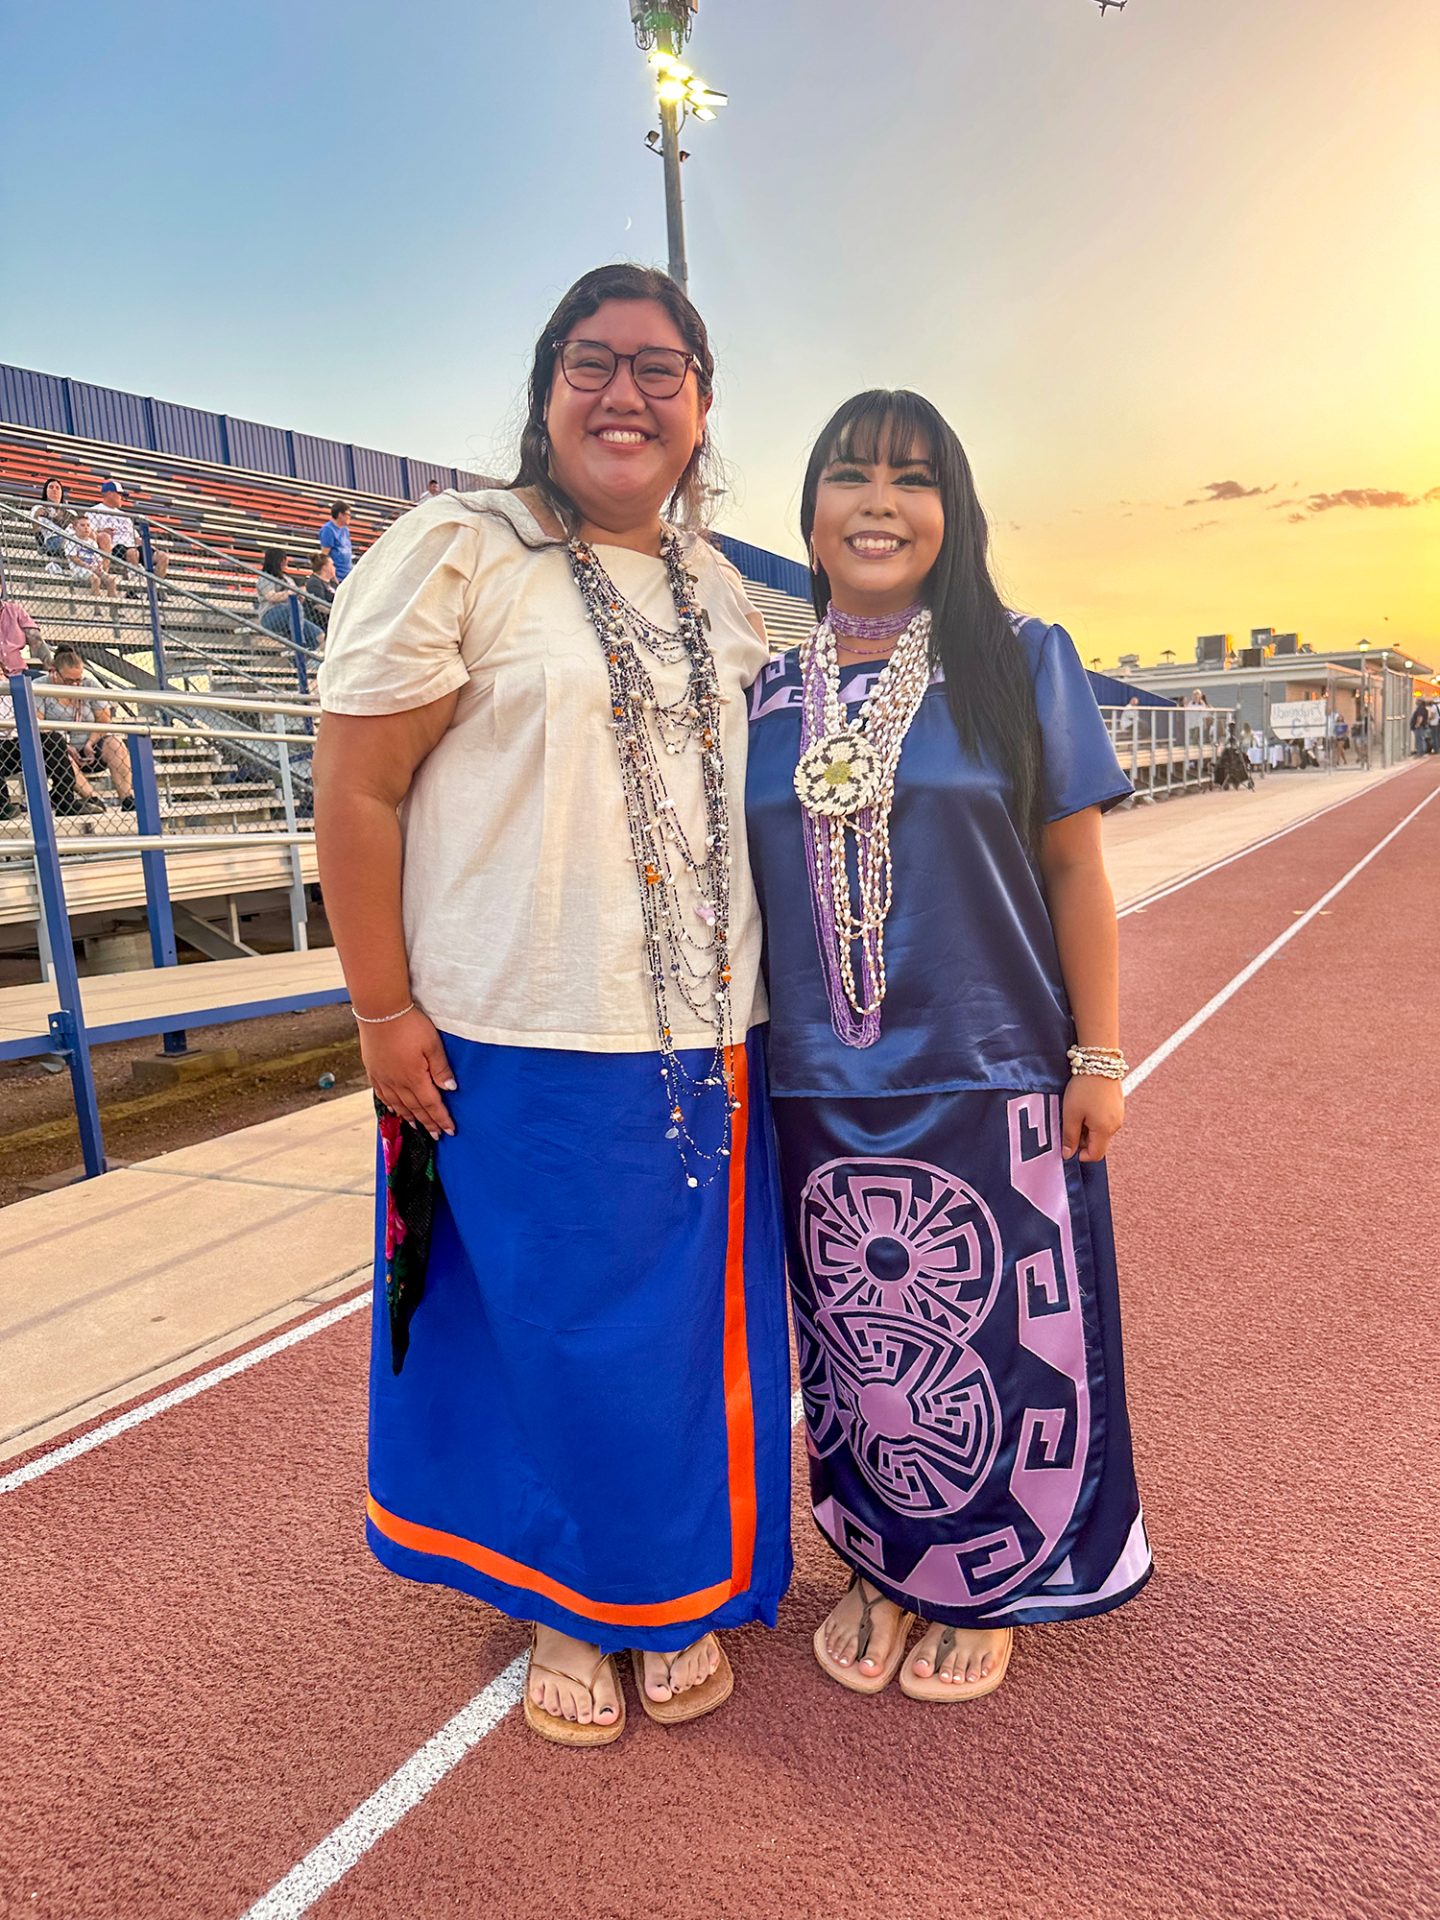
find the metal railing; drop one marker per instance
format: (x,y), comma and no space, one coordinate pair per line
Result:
(1166,750)
(43,765)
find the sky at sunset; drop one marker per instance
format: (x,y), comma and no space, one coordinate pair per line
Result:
(1174,275)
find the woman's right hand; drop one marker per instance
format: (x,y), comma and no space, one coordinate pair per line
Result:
(405,1060)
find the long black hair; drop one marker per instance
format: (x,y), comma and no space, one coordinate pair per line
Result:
(694,490)
(972,639)
(275,562)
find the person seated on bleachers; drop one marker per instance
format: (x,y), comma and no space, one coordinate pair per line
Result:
(59,771)
(80,558)
(116,534)
(335,536)
(20,637)
(320,585)
(91,747)
(274,591)
(52,518)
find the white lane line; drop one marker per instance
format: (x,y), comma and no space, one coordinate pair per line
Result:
(1212,1006)
(1267,840)
(61,1456)
(343,1848)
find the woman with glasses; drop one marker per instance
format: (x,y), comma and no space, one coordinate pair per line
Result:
(579,1382)
(927,775)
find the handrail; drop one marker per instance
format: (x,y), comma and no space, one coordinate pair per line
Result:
(176,697)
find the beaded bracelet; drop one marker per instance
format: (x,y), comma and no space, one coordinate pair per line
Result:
(1105,1063)
(383,1019)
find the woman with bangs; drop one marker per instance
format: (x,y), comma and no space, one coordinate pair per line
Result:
(926,779)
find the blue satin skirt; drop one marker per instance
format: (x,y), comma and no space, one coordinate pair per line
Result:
(591,1427)
(957,1319)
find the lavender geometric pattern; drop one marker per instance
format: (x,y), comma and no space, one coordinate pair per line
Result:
(905,1262)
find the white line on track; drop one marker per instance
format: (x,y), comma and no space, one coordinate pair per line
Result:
(1266,840)
(1212,1006)
(340,1850)
(44,1463)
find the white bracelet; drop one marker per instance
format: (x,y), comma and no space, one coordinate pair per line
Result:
(1104,1063)
(384,1019)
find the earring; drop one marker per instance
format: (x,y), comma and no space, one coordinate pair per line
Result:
(814,563)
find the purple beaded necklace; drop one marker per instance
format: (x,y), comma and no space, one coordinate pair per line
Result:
(860,626)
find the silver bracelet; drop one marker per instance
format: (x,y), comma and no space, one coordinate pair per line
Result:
(384,1019)
(1104,1063)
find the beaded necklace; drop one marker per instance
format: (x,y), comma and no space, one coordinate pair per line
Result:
(845,779)
(684,889)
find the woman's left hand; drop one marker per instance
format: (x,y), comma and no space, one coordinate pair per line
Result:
(1092,1113)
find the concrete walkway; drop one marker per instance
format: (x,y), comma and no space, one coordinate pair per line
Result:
(111,1288)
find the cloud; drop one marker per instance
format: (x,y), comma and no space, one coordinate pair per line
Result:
(1201,525)
(1364,497)
(1218,490)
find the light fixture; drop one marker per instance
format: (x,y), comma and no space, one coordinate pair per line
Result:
(1364,646)
(677,85)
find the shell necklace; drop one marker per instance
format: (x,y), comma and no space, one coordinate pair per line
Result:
(680,882)
(845,780)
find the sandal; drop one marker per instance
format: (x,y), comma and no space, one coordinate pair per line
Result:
(574,1733)
(695,1701)
(936,1690)
(847,1676)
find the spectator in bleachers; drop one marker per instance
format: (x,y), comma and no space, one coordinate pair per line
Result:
(19,637)
(273,592)
(59,770)
(115,531)
(52,518)
(91,746)
(81,559)
(335,537)
(320,587)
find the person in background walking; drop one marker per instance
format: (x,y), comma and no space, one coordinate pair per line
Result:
(1432,709)
(335,538)
(1420,726)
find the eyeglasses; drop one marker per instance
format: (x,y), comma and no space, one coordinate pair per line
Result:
(589,366)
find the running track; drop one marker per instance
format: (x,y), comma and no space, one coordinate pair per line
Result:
(206,1676)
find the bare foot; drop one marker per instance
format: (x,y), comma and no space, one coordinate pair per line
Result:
(845,1629)
(670,1674)
(560,1680)
(962,1653)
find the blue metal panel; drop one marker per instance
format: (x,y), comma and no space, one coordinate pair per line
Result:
(1111,692)
(105,413)
(263,448)
(33,400)
(770,569)
(471,482)
(188,431)
(379,472)
(320,460)
(423,470)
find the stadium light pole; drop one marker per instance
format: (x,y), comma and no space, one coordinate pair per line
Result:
(661,29)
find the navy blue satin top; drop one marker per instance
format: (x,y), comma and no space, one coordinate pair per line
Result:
(975,998)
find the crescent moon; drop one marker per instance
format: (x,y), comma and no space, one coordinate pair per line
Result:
(628,223)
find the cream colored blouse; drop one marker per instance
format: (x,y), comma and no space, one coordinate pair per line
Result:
(522,912)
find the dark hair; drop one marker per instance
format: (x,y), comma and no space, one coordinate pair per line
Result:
(274,563)
(53,481)
(65,654)
(318,560)
(972,639)
(620,281)
(340,506)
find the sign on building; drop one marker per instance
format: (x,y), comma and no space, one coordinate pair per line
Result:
(1297,719)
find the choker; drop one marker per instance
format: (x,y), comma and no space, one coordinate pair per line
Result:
(857,626)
